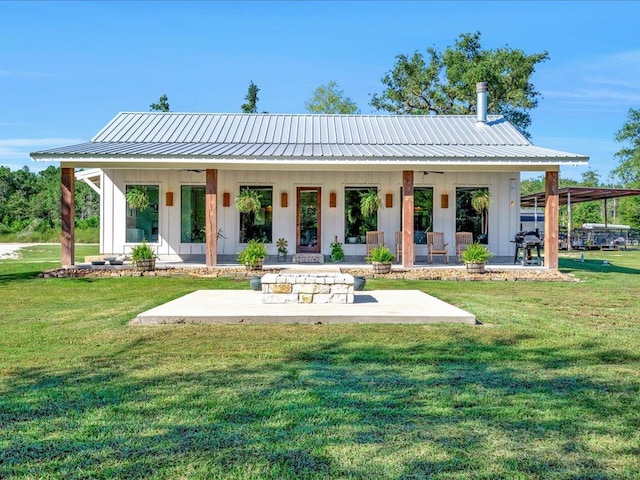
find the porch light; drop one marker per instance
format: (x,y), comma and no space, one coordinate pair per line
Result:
(389,200)
(444,200)
(226,199)
(168,199)
(332,200)
(284,200)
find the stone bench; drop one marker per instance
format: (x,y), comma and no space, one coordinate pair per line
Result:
(307,288)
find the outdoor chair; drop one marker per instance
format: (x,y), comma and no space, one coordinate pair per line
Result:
(437,246)
(463,240)
(399,252)
(374,239)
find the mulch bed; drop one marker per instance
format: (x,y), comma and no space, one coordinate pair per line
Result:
(452,274)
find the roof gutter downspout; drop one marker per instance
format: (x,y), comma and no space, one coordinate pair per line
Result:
(481,109)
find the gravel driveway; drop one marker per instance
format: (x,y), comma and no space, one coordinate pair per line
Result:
(11,250)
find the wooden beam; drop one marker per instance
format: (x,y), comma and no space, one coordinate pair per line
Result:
(68,213)
(551,210)
(211,202)
(407,219)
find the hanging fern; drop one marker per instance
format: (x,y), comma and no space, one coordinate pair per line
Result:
(370,203)
(248,201)
(138,198)
(480,200)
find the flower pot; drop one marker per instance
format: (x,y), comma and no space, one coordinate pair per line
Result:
(146,265)
(381,267)
(359,283)
(256,283)
(475,267)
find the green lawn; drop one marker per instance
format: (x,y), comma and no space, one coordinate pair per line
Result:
(547,388)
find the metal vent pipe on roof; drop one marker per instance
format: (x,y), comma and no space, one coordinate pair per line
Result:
(481,109)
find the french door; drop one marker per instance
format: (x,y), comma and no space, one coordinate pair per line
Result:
(308,231)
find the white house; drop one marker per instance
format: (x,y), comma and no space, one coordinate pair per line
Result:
(309,171)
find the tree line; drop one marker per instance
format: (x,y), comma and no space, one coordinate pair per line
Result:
(30,201)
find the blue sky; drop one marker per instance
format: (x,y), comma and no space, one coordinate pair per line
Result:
(66,68)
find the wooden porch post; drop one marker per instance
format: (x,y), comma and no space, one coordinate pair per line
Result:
(407,219)
(212,217)
(67,240)
(551,211)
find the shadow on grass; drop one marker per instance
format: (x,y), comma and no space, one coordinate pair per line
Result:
(574,265)
(23,274)
(456,409)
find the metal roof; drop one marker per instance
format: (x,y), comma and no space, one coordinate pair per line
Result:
(577,195)
(279,136)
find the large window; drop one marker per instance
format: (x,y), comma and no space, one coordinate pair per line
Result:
(192,214)
(356,225)
(422,213)
(142,224)
(472,212)
(258,225)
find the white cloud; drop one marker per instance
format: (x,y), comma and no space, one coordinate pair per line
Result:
(602,83)
(14,152)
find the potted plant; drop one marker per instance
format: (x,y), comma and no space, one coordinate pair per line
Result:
(370,203)
(248,201)
(138,198)
(475,256)
(282,245)
(380,259)
(143,257)
(337,253)
(253,255)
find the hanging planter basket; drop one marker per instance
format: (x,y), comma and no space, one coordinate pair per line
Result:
(248,201)
(138,198)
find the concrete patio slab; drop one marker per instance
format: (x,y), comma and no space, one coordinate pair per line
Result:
(242,306)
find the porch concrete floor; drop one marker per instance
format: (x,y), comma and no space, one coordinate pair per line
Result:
(242,306)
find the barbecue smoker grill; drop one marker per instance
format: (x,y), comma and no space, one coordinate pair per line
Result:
(525,243)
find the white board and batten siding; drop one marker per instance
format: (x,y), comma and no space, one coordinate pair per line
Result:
(503,212)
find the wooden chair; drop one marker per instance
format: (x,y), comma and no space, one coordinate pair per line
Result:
(399,247)
(437,246)
(374,239)
(463,240)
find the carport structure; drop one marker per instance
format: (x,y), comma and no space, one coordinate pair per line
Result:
(570,195)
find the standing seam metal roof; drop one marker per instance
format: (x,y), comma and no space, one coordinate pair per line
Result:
(169,127)
(319,136)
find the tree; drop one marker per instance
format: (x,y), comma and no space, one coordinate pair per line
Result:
(252,99)
(445,82)
(161,106)
(628,169)
(330,99)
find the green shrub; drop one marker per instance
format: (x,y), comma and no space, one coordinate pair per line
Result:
(142,252)
(381,254)
(337,253)
(253,255)
(476,253)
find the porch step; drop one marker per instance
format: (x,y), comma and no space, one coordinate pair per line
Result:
(308,258)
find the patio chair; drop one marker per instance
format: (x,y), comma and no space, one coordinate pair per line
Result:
(399,253)
(463,240)
(437,246)
(374,239)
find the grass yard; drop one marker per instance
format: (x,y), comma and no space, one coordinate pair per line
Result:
(547,388)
